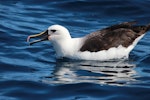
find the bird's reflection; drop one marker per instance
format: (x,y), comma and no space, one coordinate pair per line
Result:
(111,73)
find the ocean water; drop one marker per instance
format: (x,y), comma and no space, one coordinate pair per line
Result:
(34,73)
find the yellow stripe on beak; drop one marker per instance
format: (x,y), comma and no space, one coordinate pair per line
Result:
(44,36)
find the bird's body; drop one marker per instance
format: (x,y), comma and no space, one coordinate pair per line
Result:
(114,42)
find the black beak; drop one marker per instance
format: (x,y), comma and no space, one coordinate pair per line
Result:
(43,35)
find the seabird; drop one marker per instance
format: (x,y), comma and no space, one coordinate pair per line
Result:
(114,42)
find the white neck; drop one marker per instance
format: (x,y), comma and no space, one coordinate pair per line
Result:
(66,47)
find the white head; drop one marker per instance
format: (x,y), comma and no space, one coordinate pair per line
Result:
(58,35)
(54,33)
(58,32)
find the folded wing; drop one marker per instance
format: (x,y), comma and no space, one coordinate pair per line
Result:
(121,34)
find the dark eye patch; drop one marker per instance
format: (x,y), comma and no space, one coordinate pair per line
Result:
(53,31)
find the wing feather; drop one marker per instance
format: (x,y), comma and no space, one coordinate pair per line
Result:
(121,34)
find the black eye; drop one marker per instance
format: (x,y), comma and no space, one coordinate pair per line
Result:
(53,31)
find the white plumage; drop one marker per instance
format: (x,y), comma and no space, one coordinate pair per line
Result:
(66,46)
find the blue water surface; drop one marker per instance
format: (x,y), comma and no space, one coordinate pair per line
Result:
(34,73)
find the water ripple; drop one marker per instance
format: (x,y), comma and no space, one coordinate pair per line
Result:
(33,72)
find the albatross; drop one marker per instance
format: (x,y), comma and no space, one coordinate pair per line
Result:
(114,42)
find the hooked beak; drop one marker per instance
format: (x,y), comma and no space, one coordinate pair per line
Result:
(43,35)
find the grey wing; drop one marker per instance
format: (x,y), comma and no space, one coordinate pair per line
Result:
(104,41)
(121,34)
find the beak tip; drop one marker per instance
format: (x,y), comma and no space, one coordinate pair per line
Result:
(28,38)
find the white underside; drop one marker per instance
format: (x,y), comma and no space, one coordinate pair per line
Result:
(104,55)
(112,53)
